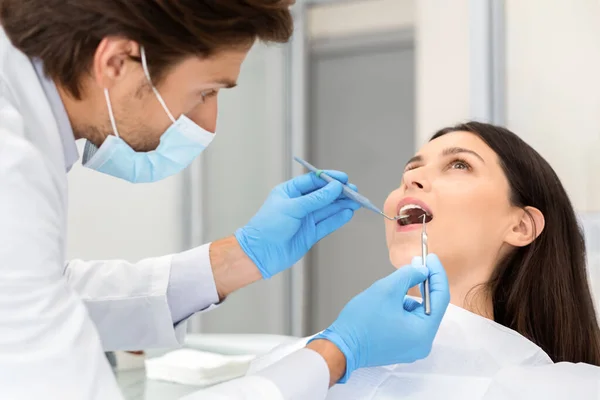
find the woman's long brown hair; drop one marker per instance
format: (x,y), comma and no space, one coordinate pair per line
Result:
(541,290)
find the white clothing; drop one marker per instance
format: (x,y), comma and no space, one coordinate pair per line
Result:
(471,358)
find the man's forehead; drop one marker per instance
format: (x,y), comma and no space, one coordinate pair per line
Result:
(223,71)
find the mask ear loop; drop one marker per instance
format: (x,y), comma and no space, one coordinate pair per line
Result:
(158,96)
(111,116)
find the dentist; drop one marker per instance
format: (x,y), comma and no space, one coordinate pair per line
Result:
(139,80)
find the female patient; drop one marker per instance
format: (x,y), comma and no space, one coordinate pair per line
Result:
(504,228)
(507,235)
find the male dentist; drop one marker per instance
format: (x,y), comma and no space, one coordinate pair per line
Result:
(139,80)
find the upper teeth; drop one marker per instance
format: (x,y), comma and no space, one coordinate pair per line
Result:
(407,207)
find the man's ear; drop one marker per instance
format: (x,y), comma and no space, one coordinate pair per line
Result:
(112,60)
(528,225)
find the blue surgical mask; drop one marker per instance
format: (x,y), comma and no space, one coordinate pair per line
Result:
(181,143)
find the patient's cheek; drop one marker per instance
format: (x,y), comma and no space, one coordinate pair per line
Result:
(392,201)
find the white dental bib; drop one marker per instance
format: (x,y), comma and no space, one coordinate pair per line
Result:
(468,352)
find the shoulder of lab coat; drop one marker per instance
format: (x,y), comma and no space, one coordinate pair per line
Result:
(130,303)
(25,110)
(48,343)
(303,374)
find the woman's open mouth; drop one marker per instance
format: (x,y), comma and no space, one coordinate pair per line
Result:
(412,212)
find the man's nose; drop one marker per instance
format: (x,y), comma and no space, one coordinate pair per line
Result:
(205,115)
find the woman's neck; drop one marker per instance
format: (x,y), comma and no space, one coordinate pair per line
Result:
(474,298)
(467,295)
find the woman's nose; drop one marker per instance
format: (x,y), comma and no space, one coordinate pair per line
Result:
(416,179)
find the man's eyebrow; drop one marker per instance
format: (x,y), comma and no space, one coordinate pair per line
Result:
(457,150)
(227,83)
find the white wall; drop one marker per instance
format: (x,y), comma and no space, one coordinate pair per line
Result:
(553,88)
(243,164)
(443,68)
(353,18)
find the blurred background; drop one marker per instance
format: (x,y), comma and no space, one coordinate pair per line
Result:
(361,86)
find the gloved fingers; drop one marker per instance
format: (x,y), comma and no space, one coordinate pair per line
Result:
(403,279)
(334,208)
(353,187)
(337,175)
(411,305)
(308,183)
(317,200)
(438,286)
(333,223)
(417,262)
(353,205)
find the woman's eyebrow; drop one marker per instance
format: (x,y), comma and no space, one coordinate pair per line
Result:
(457,150)
(414,159)
(447,152)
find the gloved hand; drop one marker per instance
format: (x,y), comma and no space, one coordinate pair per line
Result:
(382,327)
(296,215)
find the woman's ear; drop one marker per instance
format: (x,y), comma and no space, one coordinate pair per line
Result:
(529,224)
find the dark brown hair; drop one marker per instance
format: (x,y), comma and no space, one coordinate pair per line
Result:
(64,34)
(541,290)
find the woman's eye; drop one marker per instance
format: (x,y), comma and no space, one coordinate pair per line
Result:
(459,164)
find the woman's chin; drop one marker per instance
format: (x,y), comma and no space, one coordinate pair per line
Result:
(401,254)
(399,260)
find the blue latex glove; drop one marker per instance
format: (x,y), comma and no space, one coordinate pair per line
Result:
(381,326)
(296,215)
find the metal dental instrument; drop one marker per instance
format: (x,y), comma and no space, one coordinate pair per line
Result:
(348,191)
(426,291)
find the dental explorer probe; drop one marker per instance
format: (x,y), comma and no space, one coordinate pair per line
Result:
(348,191)
(424,250)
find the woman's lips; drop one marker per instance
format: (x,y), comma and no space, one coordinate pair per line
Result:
(408,228)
